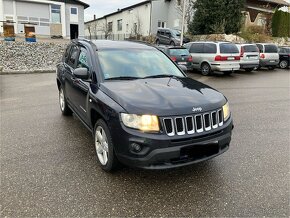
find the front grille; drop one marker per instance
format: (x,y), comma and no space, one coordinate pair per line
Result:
(193,124)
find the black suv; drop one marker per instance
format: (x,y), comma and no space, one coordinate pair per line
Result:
(142,109)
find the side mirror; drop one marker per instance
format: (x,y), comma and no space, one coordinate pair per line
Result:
(82,73)
(183,68)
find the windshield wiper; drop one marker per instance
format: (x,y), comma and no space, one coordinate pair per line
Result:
(160,76)
(123,78)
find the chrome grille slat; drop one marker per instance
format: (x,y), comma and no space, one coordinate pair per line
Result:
(193,124)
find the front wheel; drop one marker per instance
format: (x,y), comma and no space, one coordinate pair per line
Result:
(157,42)
(172,43)
(65,110)
(104,147)
(283,64)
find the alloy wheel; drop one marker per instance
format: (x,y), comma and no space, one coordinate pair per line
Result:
(101,145)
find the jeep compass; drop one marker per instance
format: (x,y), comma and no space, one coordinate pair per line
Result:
(142,109)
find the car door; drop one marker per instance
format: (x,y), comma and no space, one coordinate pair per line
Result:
(196,50)
(81,87)
(167,37)
(69,78)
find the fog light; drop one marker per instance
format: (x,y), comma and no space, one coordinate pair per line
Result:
(136,147)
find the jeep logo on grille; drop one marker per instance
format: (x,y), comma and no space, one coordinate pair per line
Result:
(197,109)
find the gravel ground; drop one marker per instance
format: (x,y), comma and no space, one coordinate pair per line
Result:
(23,56)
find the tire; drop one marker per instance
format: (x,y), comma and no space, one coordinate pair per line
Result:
(65,110)
(205,69)
(283,64)
(157,42)
(249,69)
(271,67)
(104,147)
(228,72)
(172,43)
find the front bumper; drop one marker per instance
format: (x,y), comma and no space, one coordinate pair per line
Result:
(163,152)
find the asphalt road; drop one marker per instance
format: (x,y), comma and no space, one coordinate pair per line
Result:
(48,162)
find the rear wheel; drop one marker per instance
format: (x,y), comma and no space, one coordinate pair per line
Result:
(271,67)
(249,69)
(65,110)
(283,64)
(205,69)
(104,147)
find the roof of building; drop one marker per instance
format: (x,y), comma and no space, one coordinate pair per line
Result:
(78,2)
(121,10)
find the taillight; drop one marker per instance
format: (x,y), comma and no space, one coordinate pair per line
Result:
(262,56)
(173,58)
(220,58)
(190,58)
(242,52)
(237,58)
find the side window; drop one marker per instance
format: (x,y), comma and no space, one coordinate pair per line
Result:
(167,33)
(210,48)
(162,32)
(83,59)
(196,48)
(260,48)
(73,56)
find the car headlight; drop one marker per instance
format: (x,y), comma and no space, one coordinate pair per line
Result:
(226,111)
(142,122)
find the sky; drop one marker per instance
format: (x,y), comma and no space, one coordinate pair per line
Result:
(102,7)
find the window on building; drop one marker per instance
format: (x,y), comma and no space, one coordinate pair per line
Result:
(119,25)
(110,26)
(127,27)
(74,11)
(55,14)
(135,28)
(178,2)
(162,24)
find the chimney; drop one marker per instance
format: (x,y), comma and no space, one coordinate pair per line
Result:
(94,16)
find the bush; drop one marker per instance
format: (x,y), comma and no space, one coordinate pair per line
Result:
(254,34)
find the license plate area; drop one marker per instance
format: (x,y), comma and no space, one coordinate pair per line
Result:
(199,151)
(183,63)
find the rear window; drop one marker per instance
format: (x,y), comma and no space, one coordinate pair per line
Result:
(178,52)
(271,49)
(250,48)
(226,48)
(209,48)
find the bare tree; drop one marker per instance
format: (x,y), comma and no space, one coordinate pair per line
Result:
(101,27)
(188,9)
(89,28)
(137,27)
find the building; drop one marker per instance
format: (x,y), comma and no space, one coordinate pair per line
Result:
(259,12)
(143,19)
(44,17)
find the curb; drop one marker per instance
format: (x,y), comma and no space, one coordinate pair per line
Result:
(26,72)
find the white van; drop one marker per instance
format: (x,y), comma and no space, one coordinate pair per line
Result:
(269,56)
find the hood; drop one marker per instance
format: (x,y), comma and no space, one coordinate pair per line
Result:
(163,96)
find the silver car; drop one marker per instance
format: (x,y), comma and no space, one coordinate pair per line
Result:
(214,56)
(269,56)
(249,54)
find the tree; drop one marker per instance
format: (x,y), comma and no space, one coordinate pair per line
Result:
(188,9)
(219,16)
(101,26)
(281,24)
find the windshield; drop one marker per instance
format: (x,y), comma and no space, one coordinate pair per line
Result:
(176,33)
(226,48)
(136,63)
(178,52)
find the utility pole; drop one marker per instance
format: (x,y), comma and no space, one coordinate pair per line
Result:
(182,27)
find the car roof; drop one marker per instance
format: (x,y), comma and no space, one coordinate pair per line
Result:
(110,44)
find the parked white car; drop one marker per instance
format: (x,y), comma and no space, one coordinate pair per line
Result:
(249,54)
(214,56)
(269,56)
